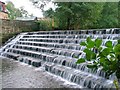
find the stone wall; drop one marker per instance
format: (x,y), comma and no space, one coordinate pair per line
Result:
(3,15)
(8,28)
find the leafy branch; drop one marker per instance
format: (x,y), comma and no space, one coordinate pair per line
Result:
(107,57)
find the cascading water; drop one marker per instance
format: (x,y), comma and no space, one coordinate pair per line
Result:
(56,51)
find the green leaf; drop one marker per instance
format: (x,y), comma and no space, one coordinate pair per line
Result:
(98,42)
(88,39)
(108,44)
(117,51)
(89,54)
(86,50)
(81,60)
(105,51)
(90,43)
(117,48)
(93,55)
(102,60)
(107,62)
(83,44)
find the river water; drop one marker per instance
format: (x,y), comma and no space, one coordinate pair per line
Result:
(19,75)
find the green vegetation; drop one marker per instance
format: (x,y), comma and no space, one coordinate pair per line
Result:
(84,15)
(13,12)
(45,24)
(107,57)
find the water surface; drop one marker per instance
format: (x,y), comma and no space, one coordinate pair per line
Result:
(19,75)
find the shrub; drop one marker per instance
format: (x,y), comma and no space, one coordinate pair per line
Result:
(45,25)
(107,57)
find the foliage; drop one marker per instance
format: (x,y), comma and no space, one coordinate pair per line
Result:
(109,15)
(45,24)
(49,13)
(119,14)
(40,3)
(84,15)
(107,57)
(24,12)
(12,11)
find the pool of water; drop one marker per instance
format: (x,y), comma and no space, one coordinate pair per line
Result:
(18,75)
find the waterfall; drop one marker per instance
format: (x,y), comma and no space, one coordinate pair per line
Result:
(57,52)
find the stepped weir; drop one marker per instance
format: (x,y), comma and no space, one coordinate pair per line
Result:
(56,52)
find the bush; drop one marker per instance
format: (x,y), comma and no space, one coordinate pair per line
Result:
(45,25)
(108,57)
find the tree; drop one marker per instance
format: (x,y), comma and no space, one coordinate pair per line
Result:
(49,13)
(15,12)
(12,11)
(40,3)
(109,16)
(24,12)
(119,14)
(64,14)
(78,15)
(82,15)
